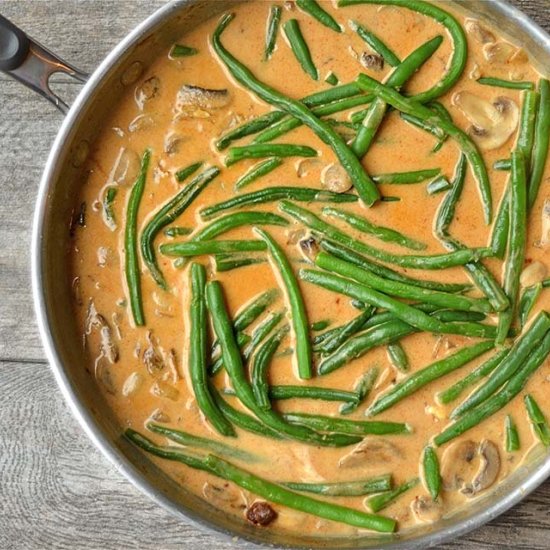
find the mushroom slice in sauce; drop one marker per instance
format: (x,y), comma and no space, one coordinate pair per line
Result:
(371,451)
(146,91)
(96,322)
(534,273)
(470,467)
(126,167)
(224,496)
(334,178)
(493,123)
(479,32)
(427,510)
(545,234)
(372,61)
(196,102)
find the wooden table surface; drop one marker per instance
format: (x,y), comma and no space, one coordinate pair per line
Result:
(56,489)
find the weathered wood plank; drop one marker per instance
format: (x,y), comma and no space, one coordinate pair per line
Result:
(56,489)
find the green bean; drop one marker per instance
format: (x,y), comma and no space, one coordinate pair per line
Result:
(362,389)
(345,488)
(486,368)
(460,44)
(228,262)
(260,123)
(166,214)
(344,426)
(375,43)
(262,359)
(210,247)
(510,84)
(517,354)
(503,165)
(177,231)
(272,30)
(345,331)
(287,124)
(179,50)
(108,213)
(403,178)
(526,133)
(259,150)
(182,174)
(311,392)
(437,261)
(280,495)
(258,171)
(189,440)
(234,220)
(516,242)
(438,185)
(382,271)
(379,502)
(133,277)
(528,298)
(427,127)
(374,115)
(234,367)
(430,467)
(197,354)
(446,211)
(397,356)
(332,79)
(299,48)
(313,8)
(501,227)
(271,194)
(406,313)
(542,142)
(512,436)
(498,400)
(387,332)
(363,184)
(243,420)
(320,325)
(465,143)
(383,233)
(538,421)
(263,330)
(216,359)
(428,374)
(297,307)
(401,290)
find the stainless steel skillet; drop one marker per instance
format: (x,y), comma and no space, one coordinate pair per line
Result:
(52,289)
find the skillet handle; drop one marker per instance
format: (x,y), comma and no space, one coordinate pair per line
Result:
(31,64)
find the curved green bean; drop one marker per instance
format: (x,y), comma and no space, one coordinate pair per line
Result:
(210,247)
(501,83)
(197,354)
(257,171)
(133,278)
(313,8)
(300,324)
(271,194)
(380,232)
(428,374)
(437,261)
(459,57)
(365,187)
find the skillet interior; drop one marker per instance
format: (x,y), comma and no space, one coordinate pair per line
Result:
(52,290)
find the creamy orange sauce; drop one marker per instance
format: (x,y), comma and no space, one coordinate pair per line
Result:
(96,262)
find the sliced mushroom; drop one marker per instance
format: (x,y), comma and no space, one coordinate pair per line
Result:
(371,451)
(305,166)
(493,123)
(132,384)
(534,273)
(146,91)
(372,61)
(159,416)
(196,102)
(334,178)
(226,495)
(489,469)
(545,235)
(152,357)
(470,467)
(309,248)
(162,389)
(499,52)
(96,322)
(478,31)
(140,123)
(125,168)
(173,142)
(427,510)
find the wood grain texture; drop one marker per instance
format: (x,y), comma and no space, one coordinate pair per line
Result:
(56,489)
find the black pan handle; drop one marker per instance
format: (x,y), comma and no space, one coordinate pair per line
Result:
(14,45)
(27,61)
